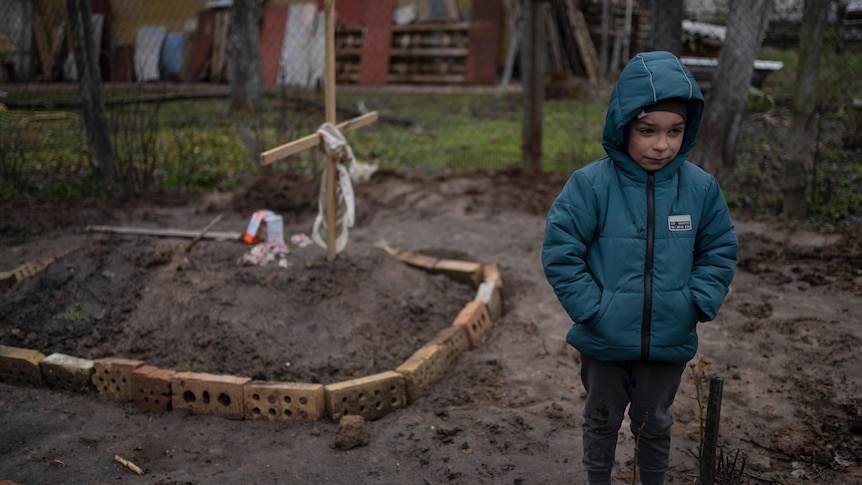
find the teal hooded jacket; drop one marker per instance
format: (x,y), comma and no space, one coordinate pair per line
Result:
(638,258)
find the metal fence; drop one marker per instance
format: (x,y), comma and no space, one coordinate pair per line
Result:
(176,52)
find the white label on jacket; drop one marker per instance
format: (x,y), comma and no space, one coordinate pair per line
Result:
(679,223)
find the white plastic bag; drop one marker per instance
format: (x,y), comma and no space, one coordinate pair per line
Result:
(336,147)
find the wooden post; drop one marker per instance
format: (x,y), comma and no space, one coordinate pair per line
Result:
(331,208)
(710,441)
(605,43)
(533,69)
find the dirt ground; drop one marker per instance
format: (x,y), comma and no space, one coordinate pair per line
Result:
(786,343)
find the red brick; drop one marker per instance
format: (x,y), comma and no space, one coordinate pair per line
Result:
(475,319)
(151,388)
(203,393)
(113,377)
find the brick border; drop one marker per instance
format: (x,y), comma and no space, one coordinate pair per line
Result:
(241,398)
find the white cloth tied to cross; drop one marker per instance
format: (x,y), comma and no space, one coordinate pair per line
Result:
(336,148)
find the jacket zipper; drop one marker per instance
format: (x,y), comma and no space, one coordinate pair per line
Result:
(646,322)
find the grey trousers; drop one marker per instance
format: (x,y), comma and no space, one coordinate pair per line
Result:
(650,388)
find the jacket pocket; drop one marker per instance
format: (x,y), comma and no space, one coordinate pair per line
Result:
(604,304)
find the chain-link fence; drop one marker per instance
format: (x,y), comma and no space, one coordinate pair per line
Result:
(435,70)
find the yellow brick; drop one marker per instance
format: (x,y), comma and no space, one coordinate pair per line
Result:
(455,341)
(475,319)
(284,401)
(20,367)
(425,367)
(461,271)
(370,397)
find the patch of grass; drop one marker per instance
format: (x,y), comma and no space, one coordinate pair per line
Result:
(194,144)
(839,78)
(72,314)
(478,131)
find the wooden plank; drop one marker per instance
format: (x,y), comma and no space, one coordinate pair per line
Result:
(348,12)
(142,231)
(585,44)
(451,8)
(43,44)
(377,42)
(426,78)
(555,54)
(194,67)
(432,27)
(220,33)
(331,175)
(313,140)
(487,15)
(271,38)
(105,42)
(203,232)
(430,52)
(350,51)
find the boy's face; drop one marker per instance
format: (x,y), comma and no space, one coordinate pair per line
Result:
(654,140)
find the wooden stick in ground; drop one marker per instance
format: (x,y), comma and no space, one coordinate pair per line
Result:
(330,118)
(710,444)
(203,232)
(128,464)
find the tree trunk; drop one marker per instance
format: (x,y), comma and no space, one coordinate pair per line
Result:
(244,61)
(666,29)
(797,161)
(725,101)
(90,88)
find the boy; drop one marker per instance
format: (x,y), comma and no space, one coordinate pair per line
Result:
(639,247)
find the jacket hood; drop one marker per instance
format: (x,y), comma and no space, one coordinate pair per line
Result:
(650,77)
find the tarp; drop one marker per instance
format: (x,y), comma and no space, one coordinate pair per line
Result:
(148,45)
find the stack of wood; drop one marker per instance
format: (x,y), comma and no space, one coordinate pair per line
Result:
(593,39)
(571,50)
(619,29)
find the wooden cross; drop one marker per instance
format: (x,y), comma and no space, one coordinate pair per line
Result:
(314,140)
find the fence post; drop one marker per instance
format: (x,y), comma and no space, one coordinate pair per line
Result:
(710,441)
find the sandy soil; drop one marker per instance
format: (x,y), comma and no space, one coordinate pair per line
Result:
(786,344)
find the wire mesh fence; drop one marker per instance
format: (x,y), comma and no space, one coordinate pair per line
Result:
(432,69)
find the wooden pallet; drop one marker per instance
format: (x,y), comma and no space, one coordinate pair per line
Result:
(429,53)
(420,53)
